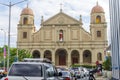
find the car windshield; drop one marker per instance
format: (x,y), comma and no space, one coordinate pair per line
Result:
(34,70)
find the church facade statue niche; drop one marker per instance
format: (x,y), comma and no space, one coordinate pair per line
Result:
(61,35)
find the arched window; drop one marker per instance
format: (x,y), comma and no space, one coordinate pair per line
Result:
(98,33)
(99,56)
(98,19)
(61,35)
(25,20)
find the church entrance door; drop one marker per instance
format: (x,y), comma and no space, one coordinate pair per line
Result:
(61,57)
(75,57)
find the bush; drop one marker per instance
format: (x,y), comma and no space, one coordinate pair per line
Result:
(87,66)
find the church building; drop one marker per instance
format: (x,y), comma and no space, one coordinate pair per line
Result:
(62,38)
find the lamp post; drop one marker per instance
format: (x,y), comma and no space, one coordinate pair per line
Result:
(10,6)
(4,46)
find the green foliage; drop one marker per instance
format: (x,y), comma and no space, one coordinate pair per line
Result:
(13,55)
(1,50)
(1,56)
(87,66)
(23,54)
(107,63)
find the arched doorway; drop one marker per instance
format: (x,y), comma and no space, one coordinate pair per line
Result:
(47,54)
(86,56)
(36,54)
(75,57)
(61,57)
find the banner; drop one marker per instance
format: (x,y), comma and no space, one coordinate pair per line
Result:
(4,52)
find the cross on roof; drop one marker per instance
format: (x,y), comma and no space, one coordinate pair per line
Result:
(97,2)
(61,7)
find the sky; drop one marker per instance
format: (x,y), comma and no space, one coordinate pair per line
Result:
(47,9)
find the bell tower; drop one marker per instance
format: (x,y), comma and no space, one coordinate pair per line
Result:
(98,25)
(26,26)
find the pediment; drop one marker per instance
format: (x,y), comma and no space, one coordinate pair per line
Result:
(60,18)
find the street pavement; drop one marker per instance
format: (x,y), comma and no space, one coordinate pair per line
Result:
(97,78)
(101,78)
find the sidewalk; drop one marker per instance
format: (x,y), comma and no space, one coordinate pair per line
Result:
(101,78)
(106,75)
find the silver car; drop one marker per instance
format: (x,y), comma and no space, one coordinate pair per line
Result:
(32,70)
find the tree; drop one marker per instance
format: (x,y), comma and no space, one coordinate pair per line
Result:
(22,53)
(107,63)
(1,56)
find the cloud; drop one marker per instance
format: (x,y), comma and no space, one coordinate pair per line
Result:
(49,8)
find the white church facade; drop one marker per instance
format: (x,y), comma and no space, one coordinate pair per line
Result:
(62,38)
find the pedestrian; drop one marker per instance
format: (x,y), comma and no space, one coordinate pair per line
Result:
(99,68)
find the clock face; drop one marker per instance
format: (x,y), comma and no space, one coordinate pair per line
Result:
(61,20)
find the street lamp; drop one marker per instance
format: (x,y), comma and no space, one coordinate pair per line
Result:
(4,46)
(10,5)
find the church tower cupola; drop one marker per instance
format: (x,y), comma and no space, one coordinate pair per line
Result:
(97,9)
(97,15)
(27,17)
(27,11)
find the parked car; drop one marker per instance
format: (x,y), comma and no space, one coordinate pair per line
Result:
(32,69)
(66,75)
(72,70)
(78,72)
(85,72)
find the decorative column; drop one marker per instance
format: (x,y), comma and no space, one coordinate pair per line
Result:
(93,56)
(69,58)
(81,56)
(53,57)
(42,53)
(53,33)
